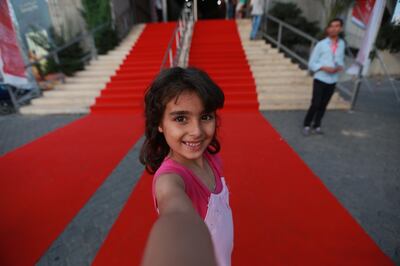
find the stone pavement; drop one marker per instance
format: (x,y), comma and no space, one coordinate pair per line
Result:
(357,159)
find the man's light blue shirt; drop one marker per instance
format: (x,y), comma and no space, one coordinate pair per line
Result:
(323,56)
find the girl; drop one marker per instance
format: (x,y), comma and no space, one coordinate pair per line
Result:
(181,149)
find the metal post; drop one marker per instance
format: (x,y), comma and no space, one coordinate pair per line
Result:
(14,100)
(170,57)
(93,49)
(164,10)
(279,36)
(357,86)
(311,48)
(177,40)
(386,71)
(265,23)
(195,9)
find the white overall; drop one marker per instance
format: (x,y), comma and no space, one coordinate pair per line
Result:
(220,223)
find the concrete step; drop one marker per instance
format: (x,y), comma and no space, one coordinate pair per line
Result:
(81,101)
(262,52)
(46,110)
(287,82)
(95,66)
(276,67)
(130,39)
(95,73)
(92,80)
(72,93)
(254,44)
(283,97)
(110,59)
(279,74)
(80,86)
(243,21)
(118,53)
(278,88)
(269,62)
(265,56)
(269,106)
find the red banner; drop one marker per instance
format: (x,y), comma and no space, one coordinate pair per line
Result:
(362,11)
(12,61)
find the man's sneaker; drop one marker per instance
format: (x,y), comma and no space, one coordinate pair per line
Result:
(318,131)
(306,131)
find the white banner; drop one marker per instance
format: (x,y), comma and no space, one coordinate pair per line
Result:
(362,12)
(396,14)
(369,39)
(12,64)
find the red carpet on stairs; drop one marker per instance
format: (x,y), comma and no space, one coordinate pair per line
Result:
(45,183)
(283,214)
(124,93)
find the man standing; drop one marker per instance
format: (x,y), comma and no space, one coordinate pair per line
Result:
(257,9)
(326,61)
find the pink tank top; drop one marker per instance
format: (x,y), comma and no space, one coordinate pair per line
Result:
(213,207)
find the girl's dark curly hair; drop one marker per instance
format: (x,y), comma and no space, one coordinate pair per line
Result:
(168,85)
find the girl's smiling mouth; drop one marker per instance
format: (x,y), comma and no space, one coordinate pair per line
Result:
(194,146)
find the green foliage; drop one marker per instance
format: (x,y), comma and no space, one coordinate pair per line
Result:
(292,14)
(389,38)
(335,8)
(105,39)
(69,58)
(389,35)
(95,13)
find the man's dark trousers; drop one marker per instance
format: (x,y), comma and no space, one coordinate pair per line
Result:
(322,93)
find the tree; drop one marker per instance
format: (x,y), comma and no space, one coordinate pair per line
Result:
(96,13)
(335,8)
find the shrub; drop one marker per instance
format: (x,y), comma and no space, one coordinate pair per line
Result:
(95,13)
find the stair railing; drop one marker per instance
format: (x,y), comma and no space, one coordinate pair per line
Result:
(178,46)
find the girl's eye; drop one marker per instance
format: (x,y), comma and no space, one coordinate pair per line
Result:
(207,117)
(180,119)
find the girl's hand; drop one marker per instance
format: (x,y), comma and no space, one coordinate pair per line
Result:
(179,237)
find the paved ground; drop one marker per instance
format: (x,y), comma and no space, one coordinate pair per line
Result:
(357,159)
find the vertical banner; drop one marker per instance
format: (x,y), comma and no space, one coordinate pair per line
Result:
(369,38)
(396,14)
(12,64)
(361,13)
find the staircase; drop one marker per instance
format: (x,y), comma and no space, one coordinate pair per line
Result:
(281,84)
(79,92)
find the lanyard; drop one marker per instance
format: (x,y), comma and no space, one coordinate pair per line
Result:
(334,46)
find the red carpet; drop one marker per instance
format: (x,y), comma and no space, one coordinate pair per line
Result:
(44,184)
(283,214)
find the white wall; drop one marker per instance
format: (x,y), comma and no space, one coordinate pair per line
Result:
(392,62)
(66,17)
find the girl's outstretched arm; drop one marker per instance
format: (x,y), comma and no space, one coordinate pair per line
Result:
(179,237)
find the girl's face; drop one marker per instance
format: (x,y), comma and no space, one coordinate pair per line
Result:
(187,128)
